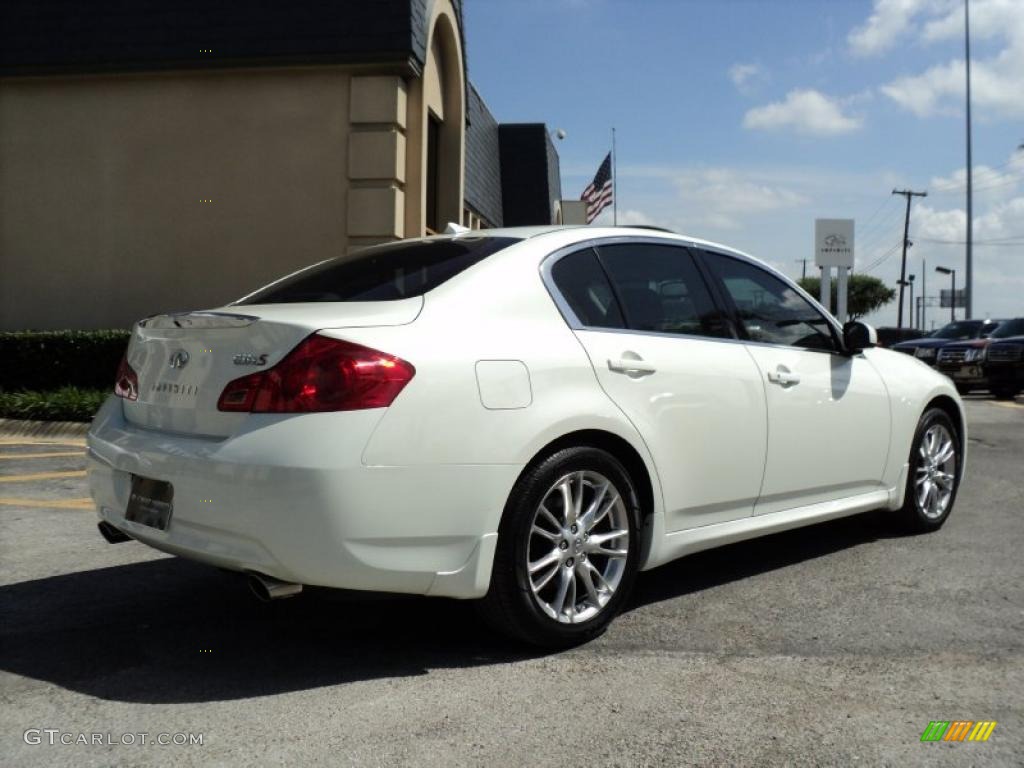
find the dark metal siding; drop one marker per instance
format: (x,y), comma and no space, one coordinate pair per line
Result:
(483,161)
(528,188)
(113,35)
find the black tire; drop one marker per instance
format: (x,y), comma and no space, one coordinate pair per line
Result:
(963,389)
(913,516)
(510,606)
(1005,393)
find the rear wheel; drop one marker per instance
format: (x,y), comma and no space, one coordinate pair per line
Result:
(1005,393)
(935,467)
(568,550)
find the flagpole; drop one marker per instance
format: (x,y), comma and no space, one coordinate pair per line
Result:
(615,184)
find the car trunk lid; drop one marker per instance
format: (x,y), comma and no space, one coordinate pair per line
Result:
(184,360)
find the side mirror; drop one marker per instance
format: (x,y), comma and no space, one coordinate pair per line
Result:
(858,336)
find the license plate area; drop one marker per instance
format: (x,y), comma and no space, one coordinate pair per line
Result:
(151,503)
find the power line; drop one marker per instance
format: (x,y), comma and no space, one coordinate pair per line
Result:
(874,213)
(1006,242)
(881,259)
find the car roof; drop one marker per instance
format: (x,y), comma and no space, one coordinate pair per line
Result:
(591,232)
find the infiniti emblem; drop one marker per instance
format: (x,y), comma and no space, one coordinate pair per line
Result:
(179,359)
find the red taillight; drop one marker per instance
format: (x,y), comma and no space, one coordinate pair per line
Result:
(321,374)
(126,384)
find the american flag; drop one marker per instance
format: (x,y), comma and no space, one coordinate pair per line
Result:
(598,195)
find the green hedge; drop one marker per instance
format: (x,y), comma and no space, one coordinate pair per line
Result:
(64,404)
(50,360)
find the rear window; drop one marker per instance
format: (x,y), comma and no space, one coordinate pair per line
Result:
(386,273)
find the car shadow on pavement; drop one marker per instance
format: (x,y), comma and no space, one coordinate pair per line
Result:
(173,631)
(746,559)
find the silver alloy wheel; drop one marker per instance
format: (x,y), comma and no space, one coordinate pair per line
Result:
(935,474)
(578,547)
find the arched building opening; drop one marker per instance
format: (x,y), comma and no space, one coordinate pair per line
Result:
(437,106)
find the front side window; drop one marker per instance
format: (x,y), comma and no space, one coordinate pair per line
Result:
(770,310)
(386,273)
(660,289)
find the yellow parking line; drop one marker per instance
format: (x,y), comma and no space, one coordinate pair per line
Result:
(25,441)
(54,504)
(39,476)
(40,455)
(1006,404)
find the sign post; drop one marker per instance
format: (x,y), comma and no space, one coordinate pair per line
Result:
(833,247)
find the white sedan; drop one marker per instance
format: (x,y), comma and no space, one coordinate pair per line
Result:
(527,417)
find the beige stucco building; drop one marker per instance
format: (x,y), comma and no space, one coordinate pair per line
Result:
(141,175)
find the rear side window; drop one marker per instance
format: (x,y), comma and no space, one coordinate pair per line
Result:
(661,290)
(386,273)
(583,284)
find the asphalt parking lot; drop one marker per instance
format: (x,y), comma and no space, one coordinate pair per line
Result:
(832,645)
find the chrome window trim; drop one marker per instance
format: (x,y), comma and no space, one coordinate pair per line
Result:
(547,264)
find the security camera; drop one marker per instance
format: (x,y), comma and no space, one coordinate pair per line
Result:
(560,134)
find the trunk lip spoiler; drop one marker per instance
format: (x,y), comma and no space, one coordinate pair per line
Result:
(206,319)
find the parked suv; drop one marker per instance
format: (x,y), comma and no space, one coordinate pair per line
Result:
(1003,364)
(962,361)
(926,348)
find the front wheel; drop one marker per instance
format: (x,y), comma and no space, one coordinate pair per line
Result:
(936,464)
(568,550)
(964,389)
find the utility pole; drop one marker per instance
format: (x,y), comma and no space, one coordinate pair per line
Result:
(924,293)
(907,193)
(969,280)
(803,271)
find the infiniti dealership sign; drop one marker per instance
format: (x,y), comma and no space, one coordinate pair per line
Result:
(833,242)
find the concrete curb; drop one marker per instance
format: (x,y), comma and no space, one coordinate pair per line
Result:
(43,429)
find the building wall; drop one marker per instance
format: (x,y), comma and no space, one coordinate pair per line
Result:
(126,195)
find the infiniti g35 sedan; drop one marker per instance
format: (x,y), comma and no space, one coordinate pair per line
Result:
(522,417)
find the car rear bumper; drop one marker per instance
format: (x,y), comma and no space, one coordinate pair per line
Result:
(289,497)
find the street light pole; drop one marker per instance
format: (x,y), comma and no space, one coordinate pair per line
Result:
(969,282)
(910,307)
(952,302)
(924,293)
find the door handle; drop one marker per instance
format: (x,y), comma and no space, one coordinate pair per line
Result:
(631,366)
(782,375)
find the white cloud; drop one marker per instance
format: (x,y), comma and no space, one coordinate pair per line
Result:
(726,196)
(1000,182)
(745,75)
(696,200)
(632,216)
(891,20)
(806,111)
(997,81)
(997,85)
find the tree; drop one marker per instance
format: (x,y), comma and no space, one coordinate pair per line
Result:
(866,293)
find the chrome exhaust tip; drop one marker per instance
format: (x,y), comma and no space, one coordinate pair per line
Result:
(112,534)
(267,588)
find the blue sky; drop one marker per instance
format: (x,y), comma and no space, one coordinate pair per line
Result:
(743,120)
